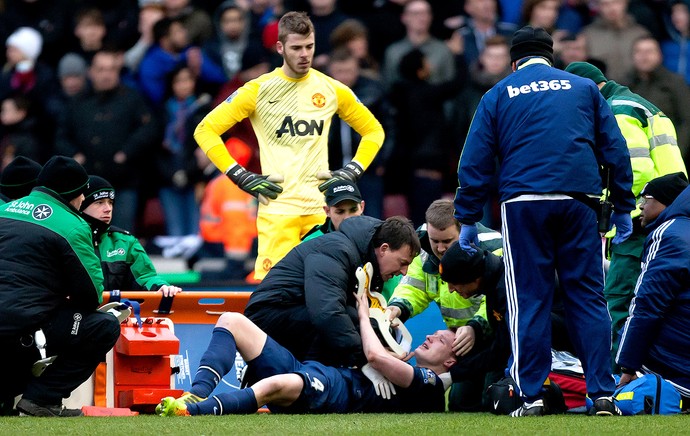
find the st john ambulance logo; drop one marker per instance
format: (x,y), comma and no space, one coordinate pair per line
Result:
(41,212)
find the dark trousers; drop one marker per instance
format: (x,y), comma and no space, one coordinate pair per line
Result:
(291,327)
(543,236)
(79,339)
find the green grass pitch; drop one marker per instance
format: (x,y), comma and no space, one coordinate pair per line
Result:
(459,424)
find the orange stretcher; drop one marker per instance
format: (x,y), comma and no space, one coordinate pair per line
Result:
(187,307)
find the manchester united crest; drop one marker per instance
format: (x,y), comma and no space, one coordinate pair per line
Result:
(318,100)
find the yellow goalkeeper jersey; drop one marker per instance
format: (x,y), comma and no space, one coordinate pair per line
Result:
(291,119)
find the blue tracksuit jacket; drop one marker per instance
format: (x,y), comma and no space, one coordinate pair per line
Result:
(541,149)
(656,333)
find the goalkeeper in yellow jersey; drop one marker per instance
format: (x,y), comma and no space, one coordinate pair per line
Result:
(290,110)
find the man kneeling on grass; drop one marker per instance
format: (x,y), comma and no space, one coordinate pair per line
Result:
(288,386)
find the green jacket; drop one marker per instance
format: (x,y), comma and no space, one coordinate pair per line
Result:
(319,230)
(126,266)
(46,261)
(422,284)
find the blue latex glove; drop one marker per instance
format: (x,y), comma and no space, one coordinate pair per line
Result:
(468,235)
(623,223)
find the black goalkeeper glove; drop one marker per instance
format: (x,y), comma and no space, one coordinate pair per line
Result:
(350,172)
(261,187)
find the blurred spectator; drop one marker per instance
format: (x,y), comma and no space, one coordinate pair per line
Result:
(573,15)
(228,44)
(492,66)
(544,14)
(417,20)
(573,48)
(177,166)
(326,17)
(510,11)
(254,64)
(482,23)
(667,90)
(120,18)
(422,148)
(17,130)
(90,31)
(261,13)
(150,12)
(342,139)
(50,17)
(610,38)
(196,21)
(353,36)
(676,48)
(650,15)
(382,18)
(228,217)
(110,131)
(71,73)
(23,75)
(171,48)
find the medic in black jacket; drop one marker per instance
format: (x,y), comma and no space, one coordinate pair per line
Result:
(306,302)
(50,281)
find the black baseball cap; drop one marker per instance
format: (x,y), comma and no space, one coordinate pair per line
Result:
(342,190)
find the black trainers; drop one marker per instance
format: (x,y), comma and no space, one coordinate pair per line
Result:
(535,408)
(29,408)
(605,406)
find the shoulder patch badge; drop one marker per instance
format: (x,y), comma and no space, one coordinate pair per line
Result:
(429,376)
(42,212)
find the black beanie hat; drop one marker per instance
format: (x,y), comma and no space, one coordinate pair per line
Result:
(531,41)
(65,176)
(460,267)
(99,188)
(666,188)
(19,177)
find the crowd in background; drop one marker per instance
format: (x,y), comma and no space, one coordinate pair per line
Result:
(120,85)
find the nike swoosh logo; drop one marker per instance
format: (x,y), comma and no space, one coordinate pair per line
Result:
(273,101)
(496,404)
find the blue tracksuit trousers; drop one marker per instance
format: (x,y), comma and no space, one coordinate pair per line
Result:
(545,235)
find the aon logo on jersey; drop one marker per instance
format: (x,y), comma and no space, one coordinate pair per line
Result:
(300,127)
(541,85)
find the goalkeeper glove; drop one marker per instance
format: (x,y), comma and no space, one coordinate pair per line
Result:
(350,172)
(260,186)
